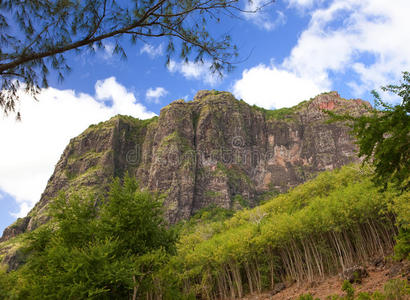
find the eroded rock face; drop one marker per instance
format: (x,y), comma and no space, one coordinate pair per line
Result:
(19,227)
(212,150)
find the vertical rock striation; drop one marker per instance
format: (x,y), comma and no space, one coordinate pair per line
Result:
(212,150)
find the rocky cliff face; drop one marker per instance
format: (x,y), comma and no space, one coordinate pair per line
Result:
(212,150)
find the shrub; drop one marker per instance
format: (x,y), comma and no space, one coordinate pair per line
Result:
(396,289)
(348,289)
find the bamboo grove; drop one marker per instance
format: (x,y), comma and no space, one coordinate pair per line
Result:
(322,227)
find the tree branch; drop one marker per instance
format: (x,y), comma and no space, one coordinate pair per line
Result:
(86,41)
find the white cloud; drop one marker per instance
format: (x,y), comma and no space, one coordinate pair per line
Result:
(152,51)
(108,50)
(257,13)
(192,70)
(33,146)
(123,101)
(153,95)
(23,210)
(303,3)
(341,34)
(368,39)
(271,87)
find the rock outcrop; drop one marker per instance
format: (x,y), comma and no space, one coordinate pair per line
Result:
(354,274)
(212,150)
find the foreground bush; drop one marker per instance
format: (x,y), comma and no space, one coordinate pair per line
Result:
(95,251)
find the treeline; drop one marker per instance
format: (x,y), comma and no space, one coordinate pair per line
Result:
(121,249)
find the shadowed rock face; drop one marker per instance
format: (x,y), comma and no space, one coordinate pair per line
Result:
(212,150)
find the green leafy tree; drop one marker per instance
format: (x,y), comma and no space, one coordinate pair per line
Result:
(401,209)
(383,135)
(94,250)
(35,35)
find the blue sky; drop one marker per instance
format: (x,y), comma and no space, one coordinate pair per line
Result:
(291,51)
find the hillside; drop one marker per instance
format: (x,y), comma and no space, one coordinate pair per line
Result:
(214,150)
(293,244)
(318,229)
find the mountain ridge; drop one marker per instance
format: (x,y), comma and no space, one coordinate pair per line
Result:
(213,150)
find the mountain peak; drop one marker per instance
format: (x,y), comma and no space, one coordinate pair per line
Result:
(333,101)
(214,150)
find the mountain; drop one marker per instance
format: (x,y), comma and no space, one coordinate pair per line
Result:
(214,150)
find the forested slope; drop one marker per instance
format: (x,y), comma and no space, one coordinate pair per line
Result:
(321,227)
(317,229)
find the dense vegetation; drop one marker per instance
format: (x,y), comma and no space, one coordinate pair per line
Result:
(92,250)
(121,248)
(338,219)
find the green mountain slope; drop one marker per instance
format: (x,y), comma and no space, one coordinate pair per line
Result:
(335,221)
